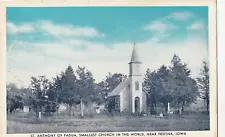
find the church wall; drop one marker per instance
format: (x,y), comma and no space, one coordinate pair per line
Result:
(136,93)
(126,100)
(121,102)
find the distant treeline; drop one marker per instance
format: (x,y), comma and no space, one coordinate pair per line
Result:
(172,84)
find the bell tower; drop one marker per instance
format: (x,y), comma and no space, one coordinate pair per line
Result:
(135,81)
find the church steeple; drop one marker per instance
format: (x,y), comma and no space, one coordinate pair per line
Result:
(136,81)
(134,63)
(134,55)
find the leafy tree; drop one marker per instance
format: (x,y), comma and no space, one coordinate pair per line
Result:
(203,84)
(112,81)
(85,86)
(14,98)
(163,88)
(25,94)
(52,99)
(192,93)
(183,86)
(66,87)
(101,92)
(150,85)
(39,87)
(157,84)
(57,85)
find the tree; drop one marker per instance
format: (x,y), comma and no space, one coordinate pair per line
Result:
(67,88)
(191,93)
(203,84)
(157,85)
(57,85)
(76,88)
(163,88)
(112,81)
(25,94)
(183,87)
(101,92)
(52,99)
(14,98)
(86,87)
(150,86)
(39,87)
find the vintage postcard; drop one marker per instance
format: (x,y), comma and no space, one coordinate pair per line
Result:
(101,68)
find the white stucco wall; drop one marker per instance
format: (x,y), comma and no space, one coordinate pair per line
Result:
(126,97)
(136,93)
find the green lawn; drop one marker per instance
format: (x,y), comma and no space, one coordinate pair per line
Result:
(21,124)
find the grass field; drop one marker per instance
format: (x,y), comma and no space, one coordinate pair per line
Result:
(18,123)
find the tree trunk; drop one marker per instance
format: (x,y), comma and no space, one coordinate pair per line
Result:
(207,106)
(182,109)
(81,108)
(36,111)
(166,107)
(152,109)
(70,110)
(179,109)
(8,108)
(39,112)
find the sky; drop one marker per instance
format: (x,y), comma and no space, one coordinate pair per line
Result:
(45,40)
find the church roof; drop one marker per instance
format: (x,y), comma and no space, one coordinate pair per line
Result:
(121,87)
(134,56)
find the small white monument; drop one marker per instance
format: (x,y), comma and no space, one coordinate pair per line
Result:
(98,110)
(161,115)
(39,115)
(168,107)
(26,109)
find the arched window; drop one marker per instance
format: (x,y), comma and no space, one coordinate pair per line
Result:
(136,85)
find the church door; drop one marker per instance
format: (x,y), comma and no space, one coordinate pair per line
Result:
(137,105)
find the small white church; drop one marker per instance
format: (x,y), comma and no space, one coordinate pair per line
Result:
(129,96)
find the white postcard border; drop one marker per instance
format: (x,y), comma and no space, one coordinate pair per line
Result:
(40,3)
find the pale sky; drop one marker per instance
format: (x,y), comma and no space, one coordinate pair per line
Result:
(44,41)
